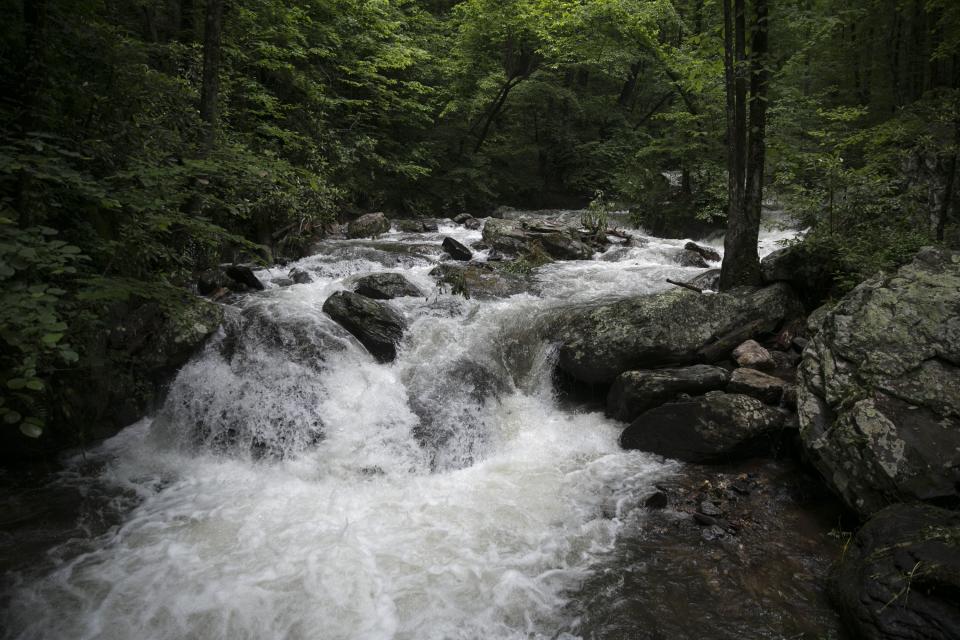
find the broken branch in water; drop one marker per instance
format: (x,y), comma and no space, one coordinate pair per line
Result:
(685,285)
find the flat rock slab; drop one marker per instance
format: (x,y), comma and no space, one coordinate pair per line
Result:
(671,328)
(634,392)
(718,427)
(759,385)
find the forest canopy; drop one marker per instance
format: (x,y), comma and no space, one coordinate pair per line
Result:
(144,141)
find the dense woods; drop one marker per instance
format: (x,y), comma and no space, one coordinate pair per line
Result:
(145,141)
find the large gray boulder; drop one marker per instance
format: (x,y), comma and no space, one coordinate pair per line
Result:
(480,281)
(378,327)
(558,240)
(718,427)
(368,225)
(634,392)
(879,388)
(674,327)
(900,576)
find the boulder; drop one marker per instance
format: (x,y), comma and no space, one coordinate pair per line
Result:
(242,274)
(816,317)
(368,225)
(634,392)
(456,250)
(811,274)
(707,253)
(756,384)
(557,240)
(467,220)
(717,427)
(752,354)
(673,327)
(430,226)
(900,575)
(691,259)
(300,276)
(480,280)
(708,280)
(879,388)
(378,327)
(283,282)
(386,286)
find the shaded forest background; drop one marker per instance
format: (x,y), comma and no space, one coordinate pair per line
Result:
(122,175)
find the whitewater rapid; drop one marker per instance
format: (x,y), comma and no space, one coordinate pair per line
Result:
(306,505)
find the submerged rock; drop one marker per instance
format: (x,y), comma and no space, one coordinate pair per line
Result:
(456,249)
(386,286)
(715,428)
(368,226)
(300,275)
(900,576)
(378,327)
(634,392)
(670,328)
(879,388)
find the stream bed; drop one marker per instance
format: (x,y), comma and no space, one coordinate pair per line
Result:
(293,487)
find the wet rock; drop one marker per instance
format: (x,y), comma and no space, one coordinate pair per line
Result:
(416,226)
(243,274)
(879,388)
(283,282)
(634,392)
(300,276)
(467,220)
(386,286)
(557,240)
(715,428)
(708,280)
(707,253)
(900,576)
(669,328)
(800,343)
(456,250)
(430,226)
(688,258)
(378,327)
(453,401)
(658,500)
(756,384)
(751,354)
(368,225)
(480,281)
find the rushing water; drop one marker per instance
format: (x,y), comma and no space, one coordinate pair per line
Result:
(291,487)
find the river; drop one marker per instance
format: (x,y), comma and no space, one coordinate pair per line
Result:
(292,487)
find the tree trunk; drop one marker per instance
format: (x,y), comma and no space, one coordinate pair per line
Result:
(210,89)
(741,265)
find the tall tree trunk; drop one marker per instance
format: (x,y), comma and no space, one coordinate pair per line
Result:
(741,265)
(948,191)
(210,89)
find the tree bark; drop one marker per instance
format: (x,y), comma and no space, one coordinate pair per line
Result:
(741,265)
(210,89)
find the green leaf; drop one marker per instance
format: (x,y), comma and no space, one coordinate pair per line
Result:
(35,384)
(16,383)
(12,417)
(52,338)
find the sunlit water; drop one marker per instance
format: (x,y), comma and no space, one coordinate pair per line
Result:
(291,487)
